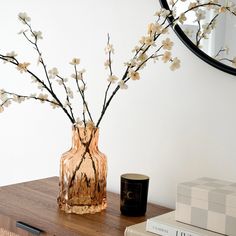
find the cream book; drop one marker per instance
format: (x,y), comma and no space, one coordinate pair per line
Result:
(166,225)
(138,230)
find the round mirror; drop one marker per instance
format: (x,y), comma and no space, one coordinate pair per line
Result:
(207,28)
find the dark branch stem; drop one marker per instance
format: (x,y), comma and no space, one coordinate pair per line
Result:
(110,69)
(81,91)
(67,97)
(27,97)
(210,23)
(15,62)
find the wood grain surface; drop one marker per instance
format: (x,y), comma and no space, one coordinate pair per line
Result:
(35,203)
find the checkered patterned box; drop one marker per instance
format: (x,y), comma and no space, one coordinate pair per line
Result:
(208,203)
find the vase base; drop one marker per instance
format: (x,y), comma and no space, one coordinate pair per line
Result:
(80,210)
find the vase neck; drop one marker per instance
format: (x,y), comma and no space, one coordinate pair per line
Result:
(87,137)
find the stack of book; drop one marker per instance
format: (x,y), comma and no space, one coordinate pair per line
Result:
(166,225)
(204,207)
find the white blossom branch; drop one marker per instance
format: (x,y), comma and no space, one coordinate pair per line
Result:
(20,98)
(82,94)
(25,69)
(62,81)
(110,69)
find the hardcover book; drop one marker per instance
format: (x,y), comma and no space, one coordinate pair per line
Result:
(137,230)
(166,225)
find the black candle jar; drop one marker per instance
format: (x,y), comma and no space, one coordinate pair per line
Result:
(133,194)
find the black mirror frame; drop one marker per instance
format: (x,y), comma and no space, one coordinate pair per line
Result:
(194,48)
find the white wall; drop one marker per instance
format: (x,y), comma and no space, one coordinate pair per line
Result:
(172,126)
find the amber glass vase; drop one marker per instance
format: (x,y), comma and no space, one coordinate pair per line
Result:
(83,172)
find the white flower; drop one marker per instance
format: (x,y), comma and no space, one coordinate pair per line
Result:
(82,88)
(76,76)
(53,73)
(15,98)
(22,67)
(109,49)
(200,15)
(131,63)
(3,96)
(107,63)
(234,61)
(175,64)
(23,17)
(10,56)
(167,44)
(135,49)
(222,9)
(43,97)
(166,56)
(7,103)
(112,79)
(122,84)
(192,5)
(85,107)
(37,35)
(75,61)
(142,57)
(213,24)
(90,124)
(163,12)
(69,92)
(182,18)
(32,95)
(134,75)
(149,41)
(79,122)
(171,2)
(40,86)
(54,104)
(165,31)
(189,32)
(61,81)
(154,28)
(18,99)
(39,60)
(226,49)
(142,40)
(155,58)
(66,104)
(206,29)
(2,91)
(34,80)
(22,31)
(82,71)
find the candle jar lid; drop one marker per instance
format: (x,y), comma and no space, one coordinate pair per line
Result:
(134,177)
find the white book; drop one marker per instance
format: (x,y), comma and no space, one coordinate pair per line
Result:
(166,225)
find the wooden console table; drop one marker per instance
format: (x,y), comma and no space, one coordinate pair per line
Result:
(34,203)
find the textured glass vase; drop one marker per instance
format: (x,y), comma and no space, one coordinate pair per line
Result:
(83,172)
